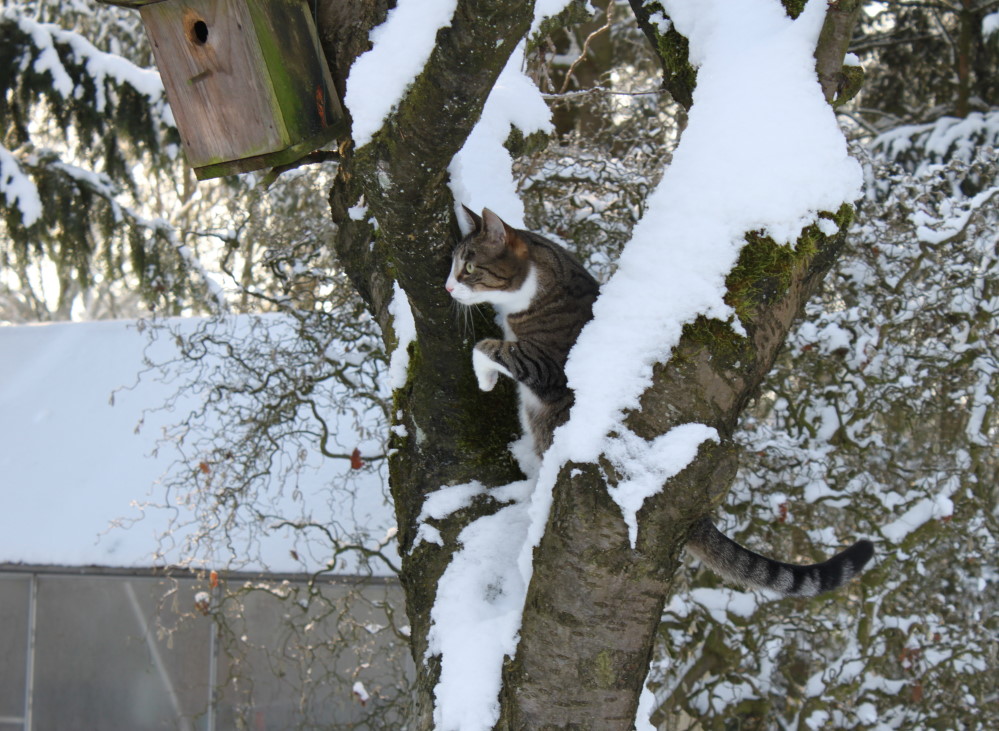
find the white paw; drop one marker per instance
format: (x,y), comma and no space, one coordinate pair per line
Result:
(486,370)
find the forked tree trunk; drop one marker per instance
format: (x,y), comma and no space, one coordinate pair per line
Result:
(594,603)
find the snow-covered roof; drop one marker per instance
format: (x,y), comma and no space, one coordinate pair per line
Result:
(72,462)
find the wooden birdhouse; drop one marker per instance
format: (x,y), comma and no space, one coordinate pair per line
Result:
(246,79)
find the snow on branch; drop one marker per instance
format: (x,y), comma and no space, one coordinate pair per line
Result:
(52,44)
(482,171)
(86,88)
(400,49)
(18,189)
(762,152)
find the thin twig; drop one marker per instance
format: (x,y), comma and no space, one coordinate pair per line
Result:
(600,90)
(586,46)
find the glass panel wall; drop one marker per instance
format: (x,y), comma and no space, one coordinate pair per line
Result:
(114,650)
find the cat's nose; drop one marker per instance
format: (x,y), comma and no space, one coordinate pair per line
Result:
(449,287)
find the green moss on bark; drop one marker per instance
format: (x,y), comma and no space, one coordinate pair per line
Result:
(679,75)
(762,275)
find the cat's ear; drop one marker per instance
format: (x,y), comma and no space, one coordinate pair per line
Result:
(472,219)
(499,234)
(494,228)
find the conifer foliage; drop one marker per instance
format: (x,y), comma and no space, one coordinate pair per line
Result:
(87,150)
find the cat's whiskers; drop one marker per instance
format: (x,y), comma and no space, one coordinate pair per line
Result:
(466,314)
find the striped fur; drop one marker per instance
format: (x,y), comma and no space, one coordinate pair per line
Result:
(500,265)
(543,298)
(742,566)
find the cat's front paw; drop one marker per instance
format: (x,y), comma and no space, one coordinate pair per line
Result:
(486,371)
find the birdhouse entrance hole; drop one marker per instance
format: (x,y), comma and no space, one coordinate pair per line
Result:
(199,32)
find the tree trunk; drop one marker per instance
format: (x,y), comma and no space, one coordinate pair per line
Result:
(401,176)
(594,603)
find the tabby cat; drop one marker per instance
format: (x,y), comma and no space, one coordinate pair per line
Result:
(543,298)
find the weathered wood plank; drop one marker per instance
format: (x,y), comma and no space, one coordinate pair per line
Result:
(212,67)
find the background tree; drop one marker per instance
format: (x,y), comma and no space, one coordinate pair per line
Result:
(880,409)
(85,131)
(926,60)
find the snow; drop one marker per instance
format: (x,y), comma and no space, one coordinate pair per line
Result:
(448,500)
(360,692)
(477,611)
(935,231)
(100,65)
(938,506)
(646,707)
(401,47)
(947,137)
(405,333)
(546,9)
(647,466)
(73,464)
(18,189)
(719,602)
(990,24)
(358,212)
(482,171)
(756,155)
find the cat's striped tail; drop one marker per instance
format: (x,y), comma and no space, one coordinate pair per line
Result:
(731,561)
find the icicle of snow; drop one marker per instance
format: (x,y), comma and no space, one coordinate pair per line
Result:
(405,333)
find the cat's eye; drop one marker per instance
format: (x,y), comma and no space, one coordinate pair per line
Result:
(470,267)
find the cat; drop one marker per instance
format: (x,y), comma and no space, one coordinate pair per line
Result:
(543,297)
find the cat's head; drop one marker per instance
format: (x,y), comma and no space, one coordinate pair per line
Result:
(491,263)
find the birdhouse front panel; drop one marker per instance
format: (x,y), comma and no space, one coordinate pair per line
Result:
(215,76)
(246,79)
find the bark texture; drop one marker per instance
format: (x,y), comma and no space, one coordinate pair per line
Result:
(839,83)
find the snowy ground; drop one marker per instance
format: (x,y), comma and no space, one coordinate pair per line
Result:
(72,463)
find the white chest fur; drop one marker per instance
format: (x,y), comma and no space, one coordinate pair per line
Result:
(513,302)
(508,303)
